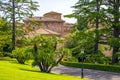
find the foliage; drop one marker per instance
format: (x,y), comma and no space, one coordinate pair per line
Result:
(118,55)
(80,40)
(114,42)
(19,9)
(5,36)
(5,32)
(45,54)
(98,15)
(70,59)
(96,58)
(15,71)
(102,67)
(22,54)
(23,8)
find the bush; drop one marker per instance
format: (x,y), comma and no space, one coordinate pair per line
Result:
(96,58)
(118,55)
(1,54)
(21,54)
(111,68)
(70,59)
(45,54)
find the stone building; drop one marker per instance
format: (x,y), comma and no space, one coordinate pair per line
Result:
(51,22)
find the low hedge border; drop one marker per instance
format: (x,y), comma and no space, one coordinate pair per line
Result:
(102,67)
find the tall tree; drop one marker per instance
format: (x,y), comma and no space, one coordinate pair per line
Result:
(97,13)
(113,11)
(14,10)
(89,13)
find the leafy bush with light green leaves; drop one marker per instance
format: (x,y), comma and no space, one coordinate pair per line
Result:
(22,54)
(46,55)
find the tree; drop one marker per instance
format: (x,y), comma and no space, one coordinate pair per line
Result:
(80,40)
(113,11)
(46,56)
(107,15)
(89,12)
(14,10)
(5,34)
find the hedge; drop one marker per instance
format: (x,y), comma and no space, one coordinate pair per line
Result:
(102,67)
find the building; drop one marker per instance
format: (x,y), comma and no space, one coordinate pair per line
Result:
(51,22)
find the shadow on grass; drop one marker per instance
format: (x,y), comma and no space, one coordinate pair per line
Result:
(30,70)
(11,60)
(36,71)
(6,59)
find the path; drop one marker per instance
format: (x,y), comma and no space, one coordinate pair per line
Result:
(91,74)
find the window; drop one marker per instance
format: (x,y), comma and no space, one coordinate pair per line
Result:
(59,29)
(33,27)
(55,17)
(53,28)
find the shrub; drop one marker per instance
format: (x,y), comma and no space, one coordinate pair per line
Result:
(1,54)
(118,55)
(111,68)
(45,54)
(70,59)
(96,58)
(21,54)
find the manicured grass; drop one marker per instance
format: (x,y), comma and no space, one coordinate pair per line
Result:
(11,70)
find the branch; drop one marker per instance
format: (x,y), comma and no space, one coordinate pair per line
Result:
(56,62)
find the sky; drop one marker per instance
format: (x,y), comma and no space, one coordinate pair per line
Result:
(61,6)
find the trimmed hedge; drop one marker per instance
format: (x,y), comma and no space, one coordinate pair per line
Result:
(102,67)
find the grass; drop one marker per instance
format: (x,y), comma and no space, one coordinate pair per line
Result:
(11,70)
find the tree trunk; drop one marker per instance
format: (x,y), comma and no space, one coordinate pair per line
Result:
(116,30)
(114,57)
(97,33)
(13,24)
(115,49)
(56,63)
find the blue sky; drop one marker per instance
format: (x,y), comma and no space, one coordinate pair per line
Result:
(61,6)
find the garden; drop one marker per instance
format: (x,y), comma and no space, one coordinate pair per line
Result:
(92,43)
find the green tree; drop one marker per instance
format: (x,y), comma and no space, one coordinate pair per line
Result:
(90,12)
(112,12)
(5,34)
(80,40)
(14,10)
(103,13)
(46,56)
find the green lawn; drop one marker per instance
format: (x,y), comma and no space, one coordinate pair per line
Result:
(11,70)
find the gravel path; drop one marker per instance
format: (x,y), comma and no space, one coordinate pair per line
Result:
(91,74)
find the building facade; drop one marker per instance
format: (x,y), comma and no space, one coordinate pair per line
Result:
(51,21)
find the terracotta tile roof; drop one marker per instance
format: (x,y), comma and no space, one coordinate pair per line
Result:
(41,31)
(44,19)
(46,31)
